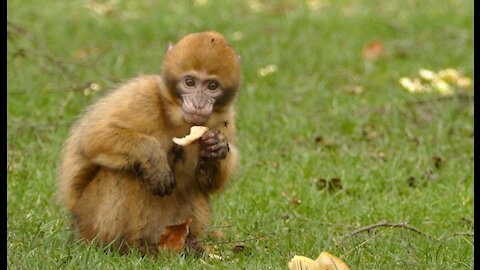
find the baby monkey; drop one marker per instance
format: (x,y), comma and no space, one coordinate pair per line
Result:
(122,177)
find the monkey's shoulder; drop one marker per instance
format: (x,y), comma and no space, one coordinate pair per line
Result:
(133,103)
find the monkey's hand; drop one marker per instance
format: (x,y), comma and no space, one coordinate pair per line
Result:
(213,148)
(158,177)
(214,145)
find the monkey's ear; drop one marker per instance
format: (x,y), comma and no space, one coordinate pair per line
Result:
(170,46)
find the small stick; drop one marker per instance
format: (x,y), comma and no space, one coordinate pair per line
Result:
(371,227)
(464,234)
(465,97)
(384,224)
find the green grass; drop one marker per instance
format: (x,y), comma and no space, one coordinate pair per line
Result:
(295,126)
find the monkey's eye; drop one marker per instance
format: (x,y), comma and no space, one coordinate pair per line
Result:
(190,82)
(212,85)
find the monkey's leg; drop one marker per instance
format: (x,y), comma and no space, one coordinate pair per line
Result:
(116,147)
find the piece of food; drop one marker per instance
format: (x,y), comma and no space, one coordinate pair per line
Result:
(449,75)
(427,75)
(412,86)
(303,263)
(327,261)
(195,133)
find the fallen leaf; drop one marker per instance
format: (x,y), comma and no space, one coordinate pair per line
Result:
(373,50)
(437,161)
(325,142)
(239,248)
(355,89)
(334,184)
(174,236)
(318,139)
(411,181)
(295,201)
(379,155)
(370,135)
(321,183)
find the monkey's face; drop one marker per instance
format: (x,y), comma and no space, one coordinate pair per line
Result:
(202,72)
(199,94)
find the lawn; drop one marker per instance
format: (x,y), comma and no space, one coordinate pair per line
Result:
(330,142)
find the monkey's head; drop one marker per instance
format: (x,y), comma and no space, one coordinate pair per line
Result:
(202,73)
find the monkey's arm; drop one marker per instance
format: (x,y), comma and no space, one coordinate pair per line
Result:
(218,158)
(115,146)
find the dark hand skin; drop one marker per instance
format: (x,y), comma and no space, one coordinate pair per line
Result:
(213,145)
(158,179)
(213,148)
(161,184)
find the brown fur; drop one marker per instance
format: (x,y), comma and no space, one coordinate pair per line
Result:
(133,126)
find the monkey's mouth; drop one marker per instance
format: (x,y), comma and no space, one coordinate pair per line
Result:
(195,119)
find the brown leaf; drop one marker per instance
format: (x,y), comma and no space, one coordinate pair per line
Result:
(321,183)
(332,185)
(335,184)
(238,248)
(437,160)
(380,155)
(86,52)
(354,89)
(295,201)
(373,50)
(174,236)
(412,181)
(241,249)
(369,135)
(319,139)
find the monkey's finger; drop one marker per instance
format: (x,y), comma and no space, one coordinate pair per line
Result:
(215,147)
(212,134)
(218,139)
(209,134)
(219,153)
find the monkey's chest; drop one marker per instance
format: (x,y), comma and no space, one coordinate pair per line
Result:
(183,161)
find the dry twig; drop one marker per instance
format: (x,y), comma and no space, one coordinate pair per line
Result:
(368,228)
(464,234)
(460,96)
